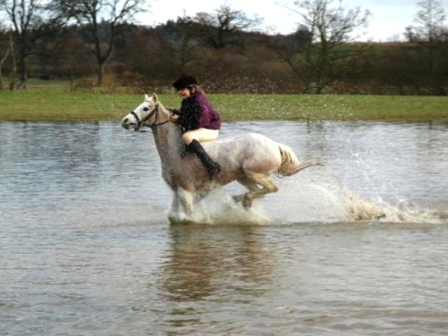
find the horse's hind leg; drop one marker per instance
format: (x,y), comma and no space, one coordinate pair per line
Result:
(249,184)
(256,179)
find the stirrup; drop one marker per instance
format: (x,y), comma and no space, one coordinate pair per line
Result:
(185,152)
(214,170)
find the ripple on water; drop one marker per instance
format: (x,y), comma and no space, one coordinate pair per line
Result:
(86,248)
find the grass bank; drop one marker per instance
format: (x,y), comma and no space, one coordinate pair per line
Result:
(56,104)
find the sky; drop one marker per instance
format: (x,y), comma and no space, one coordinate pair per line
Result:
(387,23)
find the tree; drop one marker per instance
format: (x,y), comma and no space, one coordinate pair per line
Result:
(101,21)
(222,36)
(5,56)
(289,47)
(430,38)
(181,43)
(31,21)
(155,55)
(429,20)
(71,58)
(5,50)
(321,61)
(221,29)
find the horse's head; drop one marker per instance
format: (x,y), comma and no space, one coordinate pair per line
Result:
(145,114)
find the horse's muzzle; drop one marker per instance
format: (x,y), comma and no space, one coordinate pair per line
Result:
(129,125)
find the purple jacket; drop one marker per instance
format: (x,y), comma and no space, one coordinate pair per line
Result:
(197,112)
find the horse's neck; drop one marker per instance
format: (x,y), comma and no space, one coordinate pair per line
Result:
(168,141)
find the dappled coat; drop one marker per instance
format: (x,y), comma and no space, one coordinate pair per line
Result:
(197,112)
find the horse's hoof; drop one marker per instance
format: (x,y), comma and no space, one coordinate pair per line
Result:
(247,203)
(180,221)
(174,220)
(237,199)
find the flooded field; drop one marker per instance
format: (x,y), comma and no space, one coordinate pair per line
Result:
(86,248)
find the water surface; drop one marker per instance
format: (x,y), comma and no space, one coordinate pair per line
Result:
(86,249)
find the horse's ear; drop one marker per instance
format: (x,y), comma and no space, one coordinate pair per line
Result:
(155,98)
(146,97)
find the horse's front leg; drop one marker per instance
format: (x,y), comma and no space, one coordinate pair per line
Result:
(186,199)
(173,213)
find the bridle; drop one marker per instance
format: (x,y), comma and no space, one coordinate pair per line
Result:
(141,122)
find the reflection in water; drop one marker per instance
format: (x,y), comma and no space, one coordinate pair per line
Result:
(202,263)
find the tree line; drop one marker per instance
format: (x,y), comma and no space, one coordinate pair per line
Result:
(95,43)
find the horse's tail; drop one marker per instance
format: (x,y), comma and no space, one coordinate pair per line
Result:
(290,163)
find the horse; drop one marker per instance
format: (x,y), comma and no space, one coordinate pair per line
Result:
(248,159)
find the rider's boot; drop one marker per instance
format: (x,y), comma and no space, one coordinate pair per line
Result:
(213,168)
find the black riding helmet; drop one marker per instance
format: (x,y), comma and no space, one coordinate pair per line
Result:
(185,81)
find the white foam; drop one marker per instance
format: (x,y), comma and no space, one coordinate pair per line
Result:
(219,208)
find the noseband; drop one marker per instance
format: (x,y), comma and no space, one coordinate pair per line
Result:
(141,122)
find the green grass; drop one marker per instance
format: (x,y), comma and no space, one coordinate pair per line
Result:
(58,104)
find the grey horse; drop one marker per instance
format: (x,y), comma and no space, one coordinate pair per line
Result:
(249,159)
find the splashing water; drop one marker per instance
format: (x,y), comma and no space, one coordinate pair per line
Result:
(324,199)
(306,199)
(359,209)
(219,208)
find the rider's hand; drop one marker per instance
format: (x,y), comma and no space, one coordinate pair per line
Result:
(174,118)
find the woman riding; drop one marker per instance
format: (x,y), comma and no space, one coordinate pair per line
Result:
(198,120)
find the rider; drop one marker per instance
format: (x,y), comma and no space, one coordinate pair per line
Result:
(198,120)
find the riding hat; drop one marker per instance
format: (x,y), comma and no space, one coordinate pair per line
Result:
(185,81)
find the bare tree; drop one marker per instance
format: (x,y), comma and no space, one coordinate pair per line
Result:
(330,27)
(30,21)
(1,67)
(430,38)
(3,46)
(429,22)
(101,21)
(289,48)
(220,29)
(181,43)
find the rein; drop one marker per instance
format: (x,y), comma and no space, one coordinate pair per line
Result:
(140,123)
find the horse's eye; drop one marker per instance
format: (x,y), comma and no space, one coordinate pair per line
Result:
(146,109)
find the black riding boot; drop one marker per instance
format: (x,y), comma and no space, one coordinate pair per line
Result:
(212,167)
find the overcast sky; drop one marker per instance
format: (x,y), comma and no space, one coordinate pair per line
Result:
(388,20)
